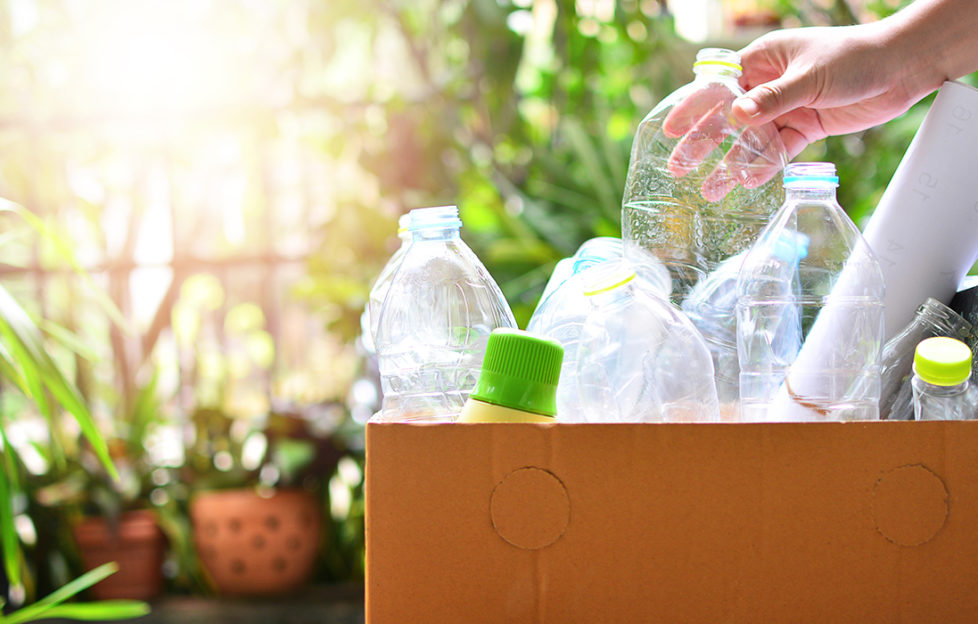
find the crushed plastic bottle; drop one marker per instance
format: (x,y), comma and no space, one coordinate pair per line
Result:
(699,188)
(941,381)
(932,318)
(563,309)
(441,307)
(639,358)
(832,298)
(711,306)
(370,318)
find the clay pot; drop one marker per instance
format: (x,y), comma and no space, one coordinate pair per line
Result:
(135,543)
(255,545)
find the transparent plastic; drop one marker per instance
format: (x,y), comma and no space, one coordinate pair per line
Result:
(831,299)
(941,380)
(699,188)
(934,402)
(711,306)
(563,309)
(932,318)
(436,319)
(370,319)
(639,358)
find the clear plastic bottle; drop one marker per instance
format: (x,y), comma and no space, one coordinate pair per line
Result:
(699,188)
(941,380)
(832,299)
(590,252)
(438,314)
(563,311)
(932,318)
(711,306)
(640,359)
(370,318)
(599,249)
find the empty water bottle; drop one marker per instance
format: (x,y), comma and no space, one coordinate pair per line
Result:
(699,187)
(563,310)
(437,316)
(590,252)
(831,298)
(639,358)
(941,383)
(932,318)
(370,318)
(712,303)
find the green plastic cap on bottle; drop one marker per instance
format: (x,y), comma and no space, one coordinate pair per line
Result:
(942,361)
(520,371)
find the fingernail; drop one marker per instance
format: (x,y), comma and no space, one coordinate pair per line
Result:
(748,106)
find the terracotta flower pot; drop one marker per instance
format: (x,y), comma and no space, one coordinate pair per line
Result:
(255,545)
(135,542)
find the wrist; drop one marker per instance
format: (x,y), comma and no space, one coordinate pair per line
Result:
(933,41)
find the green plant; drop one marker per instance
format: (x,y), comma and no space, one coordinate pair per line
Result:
(52,605)
(27,367)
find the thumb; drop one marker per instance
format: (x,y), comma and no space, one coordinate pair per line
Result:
(772,99)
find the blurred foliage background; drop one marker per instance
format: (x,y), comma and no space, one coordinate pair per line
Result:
(230,174)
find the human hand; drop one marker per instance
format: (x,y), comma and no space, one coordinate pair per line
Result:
(702,122)
(816,82)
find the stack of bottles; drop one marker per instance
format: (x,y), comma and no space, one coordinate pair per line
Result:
(739,291)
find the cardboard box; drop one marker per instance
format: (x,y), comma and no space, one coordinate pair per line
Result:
(758,523)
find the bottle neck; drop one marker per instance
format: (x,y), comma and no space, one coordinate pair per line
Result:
(942,320)
(944,392)
(820,193)
(715,73)
(435,234)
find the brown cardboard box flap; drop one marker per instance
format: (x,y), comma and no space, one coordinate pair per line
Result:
(800,522)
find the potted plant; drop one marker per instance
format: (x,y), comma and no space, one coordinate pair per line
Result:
(256,511)
(112,519)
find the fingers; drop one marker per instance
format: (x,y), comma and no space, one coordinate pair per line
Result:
(755,158)
(688,111)
(773,99)
(704,137)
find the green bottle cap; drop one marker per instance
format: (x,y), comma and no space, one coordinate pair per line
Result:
(520,371)
(942,361)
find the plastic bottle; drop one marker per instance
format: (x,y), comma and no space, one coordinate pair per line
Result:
(711,306)
(437,316)
(699,189)
(563,311)
(640,359)
(370,319)
(941,380)
(831,298)
(932,318)
(518,382)
(590,252)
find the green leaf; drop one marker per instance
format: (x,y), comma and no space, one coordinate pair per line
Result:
(105,610)
(68,339)
(10,371)
(63,247)
(25,341)
(8,534)
(50,606)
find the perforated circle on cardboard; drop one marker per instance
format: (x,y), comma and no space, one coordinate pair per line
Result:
(530,508)
(910,505)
